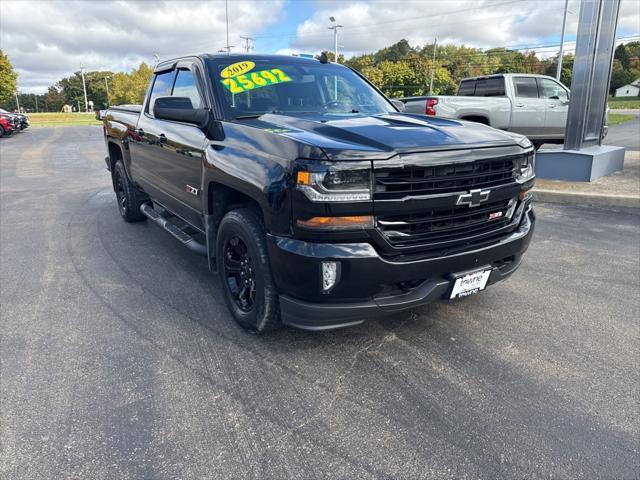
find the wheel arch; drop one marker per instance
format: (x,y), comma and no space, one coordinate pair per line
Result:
(476,118)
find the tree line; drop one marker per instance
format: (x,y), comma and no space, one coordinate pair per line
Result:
(398,70)
(104,88)
(404,70)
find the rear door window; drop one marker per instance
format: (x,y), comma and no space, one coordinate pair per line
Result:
(185,86)
(161,88)
(467,88)
(526,87)
(490,87)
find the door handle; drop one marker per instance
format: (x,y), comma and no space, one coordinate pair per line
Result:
(520,105)
(552,106)
(162,138)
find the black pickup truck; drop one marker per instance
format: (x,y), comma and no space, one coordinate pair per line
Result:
(317,202)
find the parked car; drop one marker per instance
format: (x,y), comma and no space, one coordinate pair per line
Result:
(318,203)
(20,120)
(8,124)
(532,105)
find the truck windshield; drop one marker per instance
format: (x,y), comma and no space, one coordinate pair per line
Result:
(251,88)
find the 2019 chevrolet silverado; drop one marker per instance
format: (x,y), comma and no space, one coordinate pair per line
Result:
(532,105)
(317,203)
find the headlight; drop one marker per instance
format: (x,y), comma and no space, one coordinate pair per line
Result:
(335,185)
(526,167)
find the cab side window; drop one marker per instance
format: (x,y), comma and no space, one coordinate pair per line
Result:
(161,88)
(550,89)
(185,86)
(526,87)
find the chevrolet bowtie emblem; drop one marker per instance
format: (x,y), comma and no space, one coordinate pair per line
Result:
(474,198)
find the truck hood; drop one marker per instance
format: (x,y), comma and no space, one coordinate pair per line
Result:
(382,136)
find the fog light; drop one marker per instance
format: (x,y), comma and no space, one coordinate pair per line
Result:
(330,275)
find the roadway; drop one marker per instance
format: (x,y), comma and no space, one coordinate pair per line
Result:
(119,359)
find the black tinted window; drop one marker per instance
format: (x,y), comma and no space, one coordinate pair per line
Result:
(467,88)
(161,88)
(185,86)
(490,87)
(526,87)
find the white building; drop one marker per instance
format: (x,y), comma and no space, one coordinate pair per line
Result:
(630,90)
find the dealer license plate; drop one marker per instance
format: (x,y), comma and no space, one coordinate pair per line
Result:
(470,283)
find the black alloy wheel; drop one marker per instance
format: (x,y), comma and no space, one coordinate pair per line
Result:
(240,273)
(129,198)
(121,195)
(245,271)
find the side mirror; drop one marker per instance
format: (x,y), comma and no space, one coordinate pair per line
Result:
(180,109)
(399,104)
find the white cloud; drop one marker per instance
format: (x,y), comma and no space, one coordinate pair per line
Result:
(369,26)
(48,40)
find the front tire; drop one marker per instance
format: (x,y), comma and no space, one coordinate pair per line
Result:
(128,196)
(245,271)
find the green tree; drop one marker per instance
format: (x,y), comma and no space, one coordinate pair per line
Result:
(8,78)
(619,76)
(395,52)
(622,55)
(130,87)
(54,100)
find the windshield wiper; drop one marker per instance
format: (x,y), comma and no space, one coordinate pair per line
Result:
(255,115)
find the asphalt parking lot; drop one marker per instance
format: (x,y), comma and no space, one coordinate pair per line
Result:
(119,360)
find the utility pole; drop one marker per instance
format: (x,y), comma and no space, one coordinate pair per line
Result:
(226,15)
(433,65)
(106,86)
(17,102)
(564,27)
(247,43)
(35,96)
(84,87)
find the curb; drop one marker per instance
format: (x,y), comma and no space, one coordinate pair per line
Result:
(580,198)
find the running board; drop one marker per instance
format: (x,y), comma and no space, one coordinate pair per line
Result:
(182,236)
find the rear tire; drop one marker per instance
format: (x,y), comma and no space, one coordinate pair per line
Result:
(245,271)
(128,196)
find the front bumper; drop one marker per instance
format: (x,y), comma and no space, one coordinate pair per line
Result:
(372,285)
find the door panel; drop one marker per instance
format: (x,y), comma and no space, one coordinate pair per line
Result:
(528,109)
(143,141)
(179,156)
(557,106)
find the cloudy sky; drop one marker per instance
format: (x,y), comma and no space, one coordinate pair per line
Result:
(47,40)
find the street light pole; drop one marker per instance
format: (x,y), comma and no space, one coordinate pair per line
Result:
(84,87)
(17,102)
(564,27)
(335,26)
